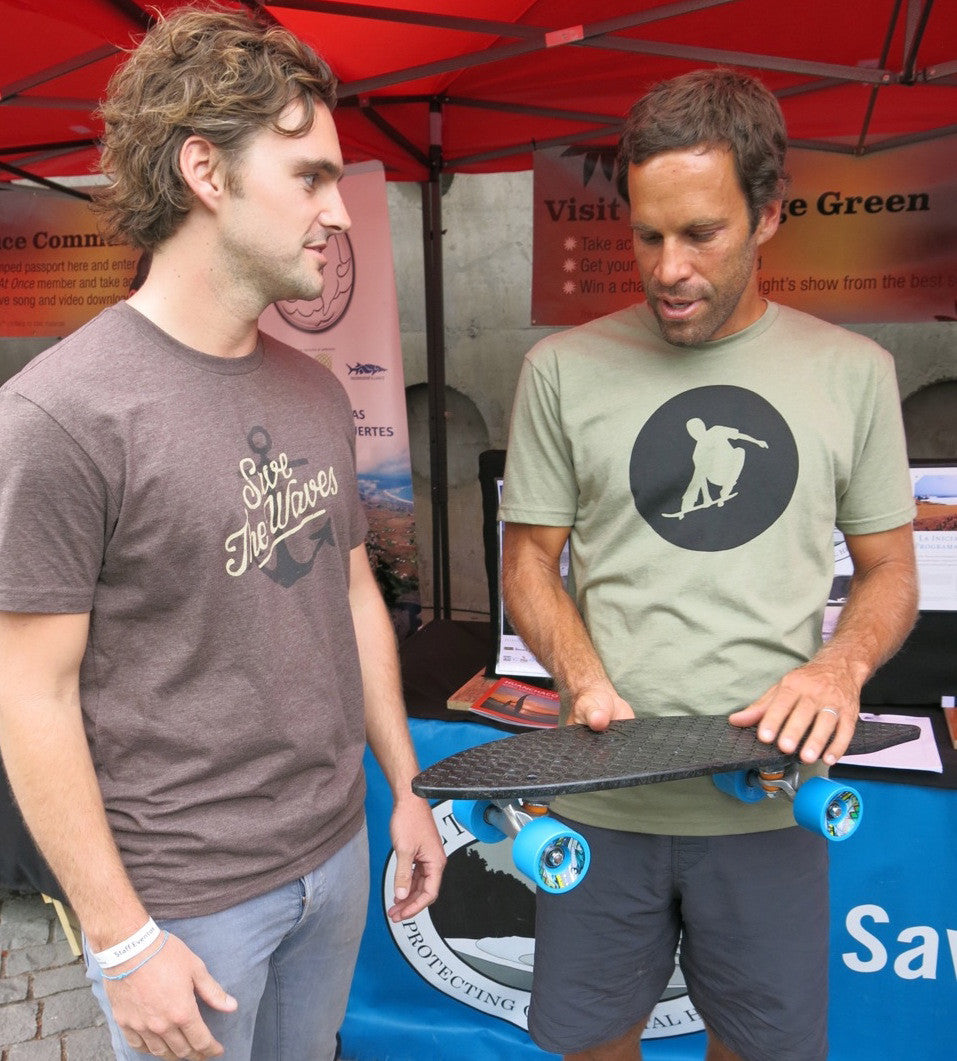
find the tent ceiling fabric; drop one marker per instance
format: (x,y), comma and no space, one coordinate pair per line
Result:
(427,87)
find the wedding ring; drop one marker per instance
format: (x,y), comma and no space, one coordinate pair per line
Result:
(830,711)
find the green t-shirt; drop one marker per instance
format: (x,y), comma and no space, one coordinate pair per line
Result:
(702,487)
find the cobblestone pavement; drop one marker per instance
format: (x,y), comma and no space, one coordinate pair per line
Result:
(47,1010)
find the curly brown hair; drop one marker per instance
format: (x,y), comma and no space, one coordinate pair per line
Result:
(208,71)
(710,108)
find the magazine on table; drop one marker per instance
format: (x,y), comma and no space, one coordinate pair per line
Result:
(521,704)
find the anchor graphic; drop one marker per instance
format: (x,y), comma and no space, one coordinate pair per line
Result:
(287,569)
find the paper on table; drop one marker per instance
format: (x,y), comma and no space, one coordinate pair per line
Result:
(920,754)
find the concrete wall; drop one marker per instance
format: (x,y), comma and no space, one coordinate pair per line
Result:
(488,273)
(487,251)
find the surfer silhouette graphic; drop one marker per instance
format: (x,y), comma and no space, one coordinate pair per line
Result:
(717,462)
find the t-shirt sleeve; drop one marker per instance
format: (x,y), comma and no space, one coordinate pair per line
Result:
(539,482)
(54,514)
(879,495)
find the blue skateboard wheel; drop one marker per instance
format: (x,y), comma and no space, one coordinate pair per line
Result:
(829,808)
(470,813)
(550,854)
(739,783)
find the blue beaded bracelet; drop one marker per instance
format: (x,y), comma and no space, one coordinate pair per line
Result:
(149,957)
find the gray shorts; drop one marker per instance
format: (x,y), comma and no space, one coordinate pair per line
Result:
(752,916)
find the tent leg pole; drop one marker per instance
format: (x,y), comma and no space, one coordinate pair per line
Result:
(435,352)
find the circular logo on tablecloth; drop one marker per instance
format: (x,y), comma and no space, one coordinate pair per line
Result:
(476,942)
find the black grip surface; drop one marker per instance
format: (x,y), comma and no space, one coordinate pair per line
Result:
(641,751)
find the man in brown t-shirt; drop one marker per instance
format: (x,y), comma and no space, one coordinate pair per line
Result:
(193,646)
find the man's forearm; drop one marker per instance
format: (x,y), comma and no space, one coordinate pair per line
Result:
(419,854)
(52,778)
(387,729)
(879,614)
(546,618)
(48,762)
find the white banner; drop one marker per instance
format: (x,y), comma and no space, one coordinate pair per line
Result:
(353,329)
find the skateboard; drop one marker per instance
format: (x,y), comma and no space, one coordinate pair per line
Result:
(502,788)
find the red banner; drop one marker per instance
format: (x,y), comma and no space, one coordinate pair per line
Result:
(56,271)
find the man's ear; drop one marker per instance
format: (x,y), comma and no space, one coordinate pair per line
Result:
(768,221)
(200,162)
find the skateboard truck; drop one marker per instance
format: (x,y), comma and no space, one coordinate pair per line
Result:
(826,807)
(550,854)
(556,858)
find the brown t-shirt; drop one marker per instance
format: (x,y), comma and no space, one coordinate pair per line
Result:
(202,510)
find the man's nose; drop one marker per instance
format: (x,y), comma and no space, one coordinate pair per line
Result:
(673,264)
(334,215)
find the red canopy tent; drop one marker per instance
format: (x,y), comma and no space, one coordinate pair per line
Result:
(431,90)
(513,73)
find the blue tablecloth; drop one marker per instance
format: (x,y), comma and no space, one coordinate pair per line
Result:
(893,964)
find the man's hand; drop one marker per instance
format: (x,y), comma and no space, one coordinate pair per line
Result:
(814,699)
(597,705)
(155,1007)
(420,858)
(822,698)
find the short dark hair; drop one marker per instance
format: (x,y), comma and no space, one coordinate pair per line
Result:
(710,108)
(210,71)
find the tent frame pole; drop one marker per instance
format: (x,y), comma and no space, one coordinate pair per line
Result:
(435,357)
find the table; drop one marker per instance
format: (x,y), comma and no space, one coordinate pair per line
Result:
(893,968)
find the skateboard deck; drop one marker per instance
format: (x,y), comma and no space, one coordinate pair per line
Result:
(568,759)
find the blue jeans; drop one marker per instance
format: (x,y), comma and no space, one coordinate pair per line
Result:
(287,957)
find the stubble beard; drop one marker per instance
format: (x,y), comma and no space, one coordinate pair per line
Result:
(720,304)
(299,288)
(272,279)
(699,330)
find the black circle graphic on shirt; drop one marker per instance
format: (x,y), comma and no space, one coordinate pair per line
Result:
(713,468)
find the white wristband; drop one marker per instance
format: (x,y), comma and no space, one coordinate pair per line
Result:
(129,948)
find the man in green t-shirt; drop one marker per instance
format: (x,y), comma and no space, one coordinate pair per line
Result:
(696,453)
